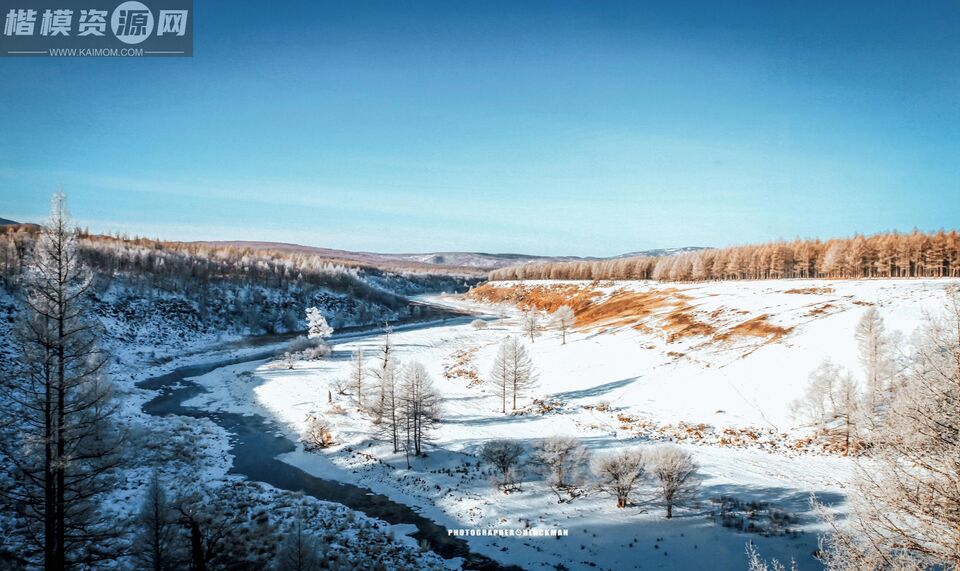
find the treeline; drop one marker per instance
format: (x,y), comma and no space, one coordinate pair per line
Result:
(259,290)
(887,255)
(170,265)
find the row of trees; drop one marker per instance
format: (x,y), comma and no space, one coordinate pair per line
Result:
(401,399)
(888,255)
(567,467)
(905,505)
(259,289)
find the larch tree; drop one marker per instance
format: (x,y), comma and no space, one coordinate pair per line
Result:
(383,374)
(358,374)
(523,376)
(879,366)
(530,324)
(299,551)
(154,545)
(501,375)
(563,319)
(419,408)
(832,404)
(513,373)
(59,438)
(905,500)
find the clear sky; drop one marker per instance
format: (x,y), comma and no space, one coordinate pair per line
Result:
(589,128)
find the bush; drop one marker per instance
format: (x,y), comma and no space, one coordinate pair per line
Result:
(478,324)
(319,432)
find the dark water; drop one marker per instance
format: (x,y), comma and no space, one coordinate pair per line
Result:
(256,445)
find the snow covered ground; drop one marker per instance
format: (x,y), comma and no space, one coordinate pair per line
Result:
(724,391)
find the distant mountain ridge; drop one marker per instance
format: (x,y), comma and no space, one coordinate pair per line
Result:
(8,222)
(481,261)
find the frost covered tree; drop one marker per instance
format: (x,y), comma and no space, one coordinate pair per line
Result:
(619,473)
(383,374)
(756,563)
(358,374)
(513,373)
(59,439)
(905,502)
(561,459)
(563,319)
(155,541)
(530,324)
(831,404)
(419,408)
(317,327)
(675,473)
(500,375)
(387,414)
(876,356)
(505,456)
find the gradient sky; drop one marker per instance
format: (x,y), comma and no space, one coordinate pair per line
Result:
(590,128)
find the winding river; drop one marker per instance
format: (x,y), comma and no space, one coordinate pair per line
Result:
(256,445)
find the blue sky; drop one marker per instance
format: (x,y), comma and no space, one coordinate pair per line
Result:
(588,128)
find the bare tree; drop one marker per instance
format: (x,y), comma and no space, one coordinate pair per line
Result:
(563,319)
(513,372)
(530,323)
(384,374)
(561,459)
(154,543)
(358,375)
(299,551)
(58,433)
(905,505)
(504,455)
(523,376)
(419,408)
(619,473)
(675,472)
(832,404)
(501,374)
(876,349)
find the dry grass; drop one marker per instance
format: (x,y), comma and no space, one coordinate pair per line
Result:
(811,290)
(757,327)
(665,311)
(821,310)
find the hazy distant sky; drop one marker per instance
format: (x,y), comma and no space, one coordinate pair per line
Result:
(588,128)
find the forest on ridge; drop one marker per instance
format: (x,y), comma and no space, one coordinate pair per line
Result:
(885,255)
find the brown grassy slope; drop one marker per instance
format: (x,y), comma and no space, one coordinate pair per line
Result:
(666,311)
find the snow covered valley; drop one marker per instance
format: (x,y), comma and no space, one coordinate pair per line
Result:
(713,367)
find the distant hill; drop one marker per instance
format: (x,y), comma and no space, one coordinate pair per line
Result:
(478,261)
(660,252)
(8,222)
